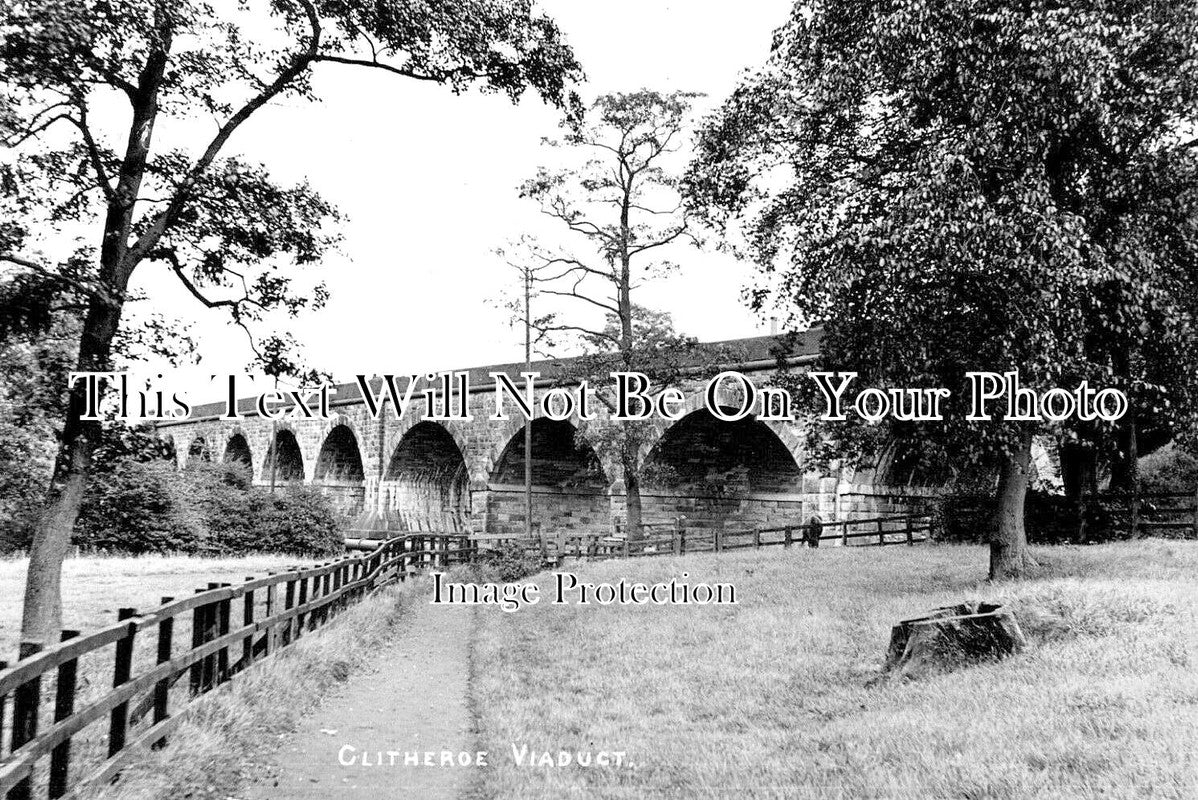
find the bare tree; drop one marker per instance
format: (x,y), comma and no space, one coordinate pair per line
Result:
(620,211)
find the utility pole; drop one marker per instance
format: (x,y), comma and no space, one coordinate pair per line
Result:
(528,424)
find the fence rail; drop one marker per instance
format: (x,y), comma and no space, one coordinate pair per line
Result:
(676,538)
(233,627)
(142,655)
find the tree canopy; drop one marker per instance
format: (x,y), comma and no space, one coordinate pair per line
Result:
(974,185)
(224,227)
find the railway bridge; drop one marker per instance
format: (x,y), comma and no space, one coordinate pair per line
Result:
(415,473)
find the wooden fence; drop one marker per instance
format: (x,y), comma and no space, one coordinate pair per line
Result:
(1171,514)
(71,728)
(87,734)
(675,538)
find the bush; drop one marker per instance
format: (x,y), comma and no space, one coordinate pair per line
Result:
(1049,518)
(210,509)
(140,507)
(505,564)
(1169,469)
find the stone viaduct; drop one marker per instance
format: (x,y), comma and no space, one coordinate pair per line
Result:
(416,474)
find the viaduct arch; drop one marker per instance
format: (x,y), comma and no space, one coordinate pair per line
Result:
(430,474)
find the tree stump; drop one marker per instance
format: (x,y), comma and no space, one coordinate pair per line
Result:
(952,637)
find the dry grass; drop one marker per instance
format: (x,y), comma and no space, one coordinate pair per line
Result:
(231,733)
(775,697)
(94,587)
(210,754)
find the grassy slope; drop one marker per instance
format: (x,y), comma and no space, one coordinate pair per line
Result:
(95,587)
(772,698)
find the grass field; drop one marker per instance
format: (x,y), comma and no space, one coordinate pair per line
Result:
(231,730)
(778,696)
(95,587)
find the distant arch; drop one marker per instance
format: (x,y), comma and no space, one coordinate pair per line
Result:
(340,458)
(237,451)
(903,463)
(426,485)
(721,474)
(560,458)
(568,482)
(198,451)
(284,459)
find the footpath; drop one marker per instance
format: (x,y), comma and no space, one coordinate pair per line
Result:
(414,701)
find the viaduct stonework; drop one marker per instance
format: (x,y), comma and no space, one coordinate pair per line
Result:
(418,474)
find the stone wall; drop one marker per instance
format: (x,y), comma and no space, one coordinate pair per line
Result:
(420,474)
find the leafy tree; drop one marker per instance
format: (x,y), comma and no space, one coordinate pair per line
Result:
(616,201)
(224,227)
(959,186)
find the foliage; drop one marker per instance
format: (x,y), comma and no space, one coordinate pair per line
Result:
(1170,469)
(617,203)
(226,229)
(505,565)
(968,187)
(147,506)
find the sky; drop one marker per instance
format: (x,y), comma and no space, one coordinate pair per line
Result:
(427,183)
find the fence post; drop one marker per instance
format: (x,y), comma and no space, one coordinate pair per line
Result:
(881,532)
(247,619)
(64,706)
(1135,510)
(298,631)
(844,533)
(678,536)
(288,604)
(197,639)
(1196,512)
(26,700)
(122,668)
(787,537)
(269,640)
(910,531)
(211,623)
(224,611)
(162,689)
(718,533)
(757,538)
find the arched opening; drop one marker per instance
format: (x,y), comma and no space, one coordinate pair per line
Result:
(237,451)
(426,485)
(340,460)
(339,470)
(284,462)
(198,451)
(729,475)
(569,486)
(903,463)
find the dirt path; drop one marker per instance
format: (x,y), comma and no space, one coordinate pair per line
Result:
(415,700)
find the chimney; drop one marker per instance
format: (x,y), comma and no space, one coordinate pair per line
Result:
(773,326)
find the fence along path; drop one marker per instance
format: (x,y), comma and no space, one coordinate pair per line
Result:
(675,538)
(142,655)
(58,744)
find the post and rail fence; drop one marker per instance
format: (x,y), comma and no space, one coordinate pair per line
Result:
(65,728)
(56,717)
(677,537)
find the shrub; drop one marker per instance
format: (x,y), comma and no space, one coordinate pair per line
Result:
(1169,469)
(1049,518)
(212,509)
(140,507)
(506,564)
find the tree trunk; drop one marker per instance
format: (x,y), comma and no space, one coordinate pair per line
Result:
(1008,547)
(1077,473)
(634,530)
(42,615)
